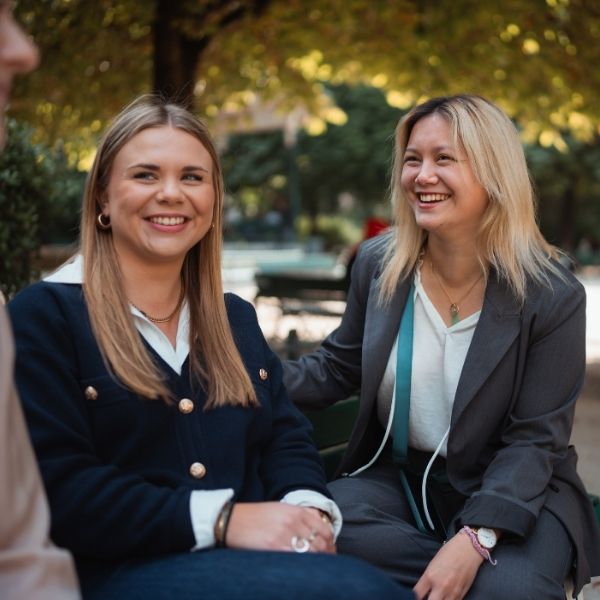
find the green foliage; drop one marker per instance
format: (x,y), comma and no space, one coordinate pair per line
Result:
(538,59)
(250,160)
(351,159)
(37,196)
(335,231)
(354,158)
(96,57)
(255,162)
(61,211)
(22,191)
(568,190)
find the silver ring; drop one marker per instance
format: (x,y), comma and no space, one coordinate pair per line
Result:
(300,544)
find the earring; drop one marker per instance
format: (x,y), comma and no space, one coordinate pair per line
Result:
(212,225)
(103,221)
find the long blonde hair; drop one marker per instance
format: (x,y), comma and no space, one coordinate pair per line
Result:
(509,238)
(215,362)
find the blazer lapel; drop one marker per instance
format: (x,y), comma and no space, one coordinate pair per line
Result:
(498,327)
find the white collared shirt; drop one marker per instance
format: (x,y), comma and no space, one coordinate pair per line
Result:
(205,505)
(438,357)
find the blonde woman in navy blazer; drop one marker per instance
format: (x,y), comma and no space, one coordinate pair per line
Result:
(175,465)
(486,283)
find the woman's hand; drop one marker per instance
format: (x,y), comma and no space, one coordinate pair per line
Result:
(451,572)
(273,525)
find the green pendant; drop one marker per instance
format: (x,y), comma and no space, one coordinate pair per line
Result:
(454,314)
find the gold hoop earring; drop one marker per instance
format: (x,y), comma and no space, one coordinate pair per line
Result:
(103,221)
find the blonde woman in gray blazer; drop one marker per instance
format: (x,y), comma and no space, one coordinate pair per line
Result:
(494,507)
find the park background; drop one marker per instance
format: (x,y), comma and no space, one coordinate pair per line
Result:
(303,97)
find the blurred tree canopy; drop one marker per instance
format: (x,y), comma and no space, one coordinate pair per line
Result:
(568,188)
(538,59)
(352,159)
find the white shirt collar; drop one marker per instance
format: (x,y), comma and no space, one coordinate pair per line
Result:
(69,272)
(72,272)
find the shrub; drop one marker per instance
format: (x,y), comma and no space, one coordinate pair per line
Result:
(37,195)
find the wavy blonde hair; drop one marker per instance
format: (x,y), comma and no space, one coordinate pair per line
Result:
(509,238)
(215,362)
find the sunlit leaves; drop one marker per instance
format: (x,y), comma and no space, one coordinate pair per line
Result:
(538,60)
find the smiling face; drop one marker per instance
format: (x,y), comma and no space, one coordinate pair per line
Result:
(160,197)
(17,55)
(438,181)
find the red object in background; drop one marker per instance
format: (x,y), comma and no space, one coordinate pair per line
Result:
(374,226)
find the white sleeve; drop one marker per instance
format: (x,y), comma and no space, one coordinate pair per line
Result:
(205,506)
(317,500)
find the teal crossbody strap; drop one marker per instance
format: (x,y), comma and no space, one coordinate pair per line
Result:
(402,405)
(403,377)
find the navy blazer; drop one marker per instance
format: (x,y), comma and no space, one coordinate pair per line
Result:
(508,447)
(117,467)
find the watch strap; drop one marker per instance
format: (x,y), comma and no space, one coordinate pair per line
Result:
(484,552)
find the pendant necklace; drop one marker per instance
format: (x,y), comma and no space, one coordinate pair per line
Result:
(454,306)
(170,315)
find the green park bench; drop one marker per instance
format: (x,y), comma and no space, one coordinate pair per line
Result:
(596,503)
(302,291)
(332,428)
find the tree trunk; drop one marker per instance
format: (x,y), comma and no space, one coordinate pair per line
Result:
(175,57)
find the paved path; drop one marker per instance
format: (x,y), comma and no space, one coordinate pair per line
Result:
(586,428)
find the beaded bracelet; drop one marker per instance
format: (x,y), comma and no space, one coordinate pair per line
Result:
(484,552)
(222,523)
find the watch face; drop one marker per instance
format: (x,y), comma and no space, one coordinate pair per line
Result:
(487,537)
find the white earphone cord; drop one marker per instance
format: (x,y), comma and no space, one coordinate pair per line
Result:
(384,441)
(427,469)
(426,474)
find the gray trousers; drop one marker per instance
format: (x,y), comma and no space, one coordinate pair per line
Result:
(379,528)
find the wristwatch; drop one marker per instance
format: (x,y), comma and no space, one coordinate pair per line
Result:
(487,537)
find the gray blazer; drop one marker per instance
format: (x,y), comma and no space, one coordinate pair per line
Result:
(508,447)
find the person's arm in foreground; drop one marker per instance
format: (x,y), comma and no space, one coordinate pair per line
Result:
(31,566)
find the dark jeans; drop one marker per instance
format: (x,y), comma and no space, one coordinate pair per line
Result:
(239,575)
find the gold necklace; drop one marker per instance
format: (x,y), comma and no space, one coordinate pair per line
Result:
(454,306)
(170,315)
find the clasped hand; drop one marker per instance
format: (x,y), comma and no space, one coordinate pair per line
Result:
(273,525)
